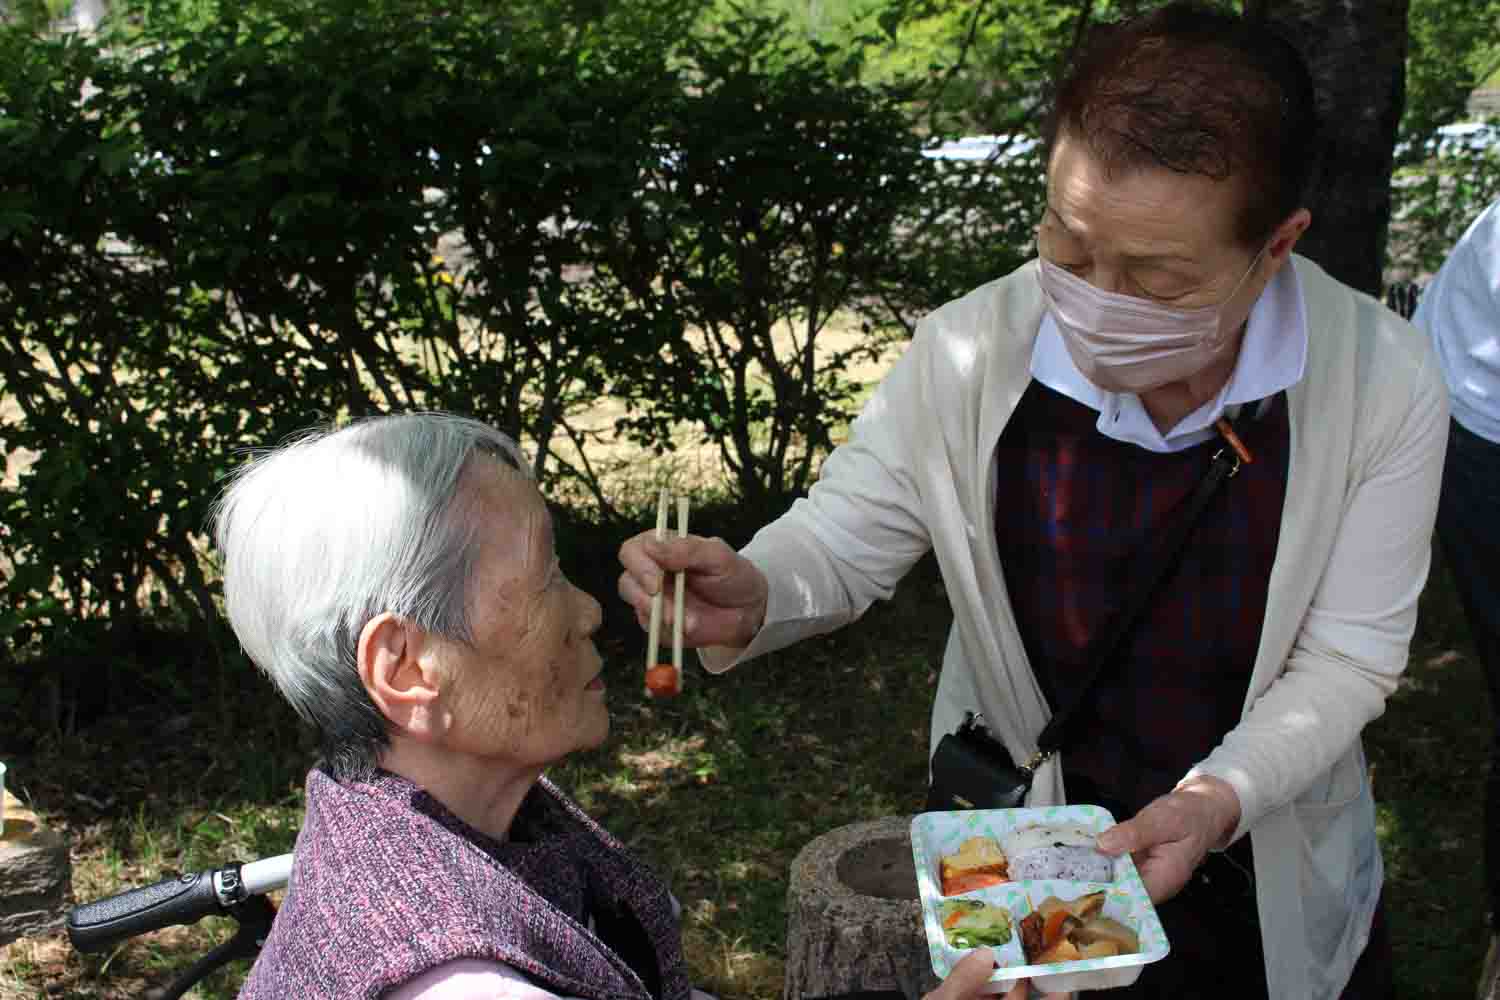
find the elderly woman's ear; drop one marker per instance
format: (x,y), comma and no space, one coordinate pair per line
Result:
(399,669)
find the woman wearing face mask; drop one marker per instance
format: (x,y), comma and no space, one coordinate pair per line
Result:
(1042,433)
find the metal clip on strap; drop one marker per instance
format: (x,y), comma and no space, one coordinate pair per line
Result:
(1242,454)
(1037,760)
(1234,470)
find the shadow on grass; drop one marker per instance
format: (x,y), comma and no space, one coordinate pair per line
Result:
(721,787)
(171,778)
(1429,756)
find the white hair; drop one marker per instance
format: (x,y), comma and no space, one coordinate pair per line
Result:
(339,525)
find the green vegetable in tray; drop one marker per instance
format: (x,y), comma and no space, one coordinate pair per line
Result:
(969,923)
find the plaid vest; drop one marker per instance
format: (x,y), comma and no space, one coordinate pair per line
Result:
(389,884)
(1074,513)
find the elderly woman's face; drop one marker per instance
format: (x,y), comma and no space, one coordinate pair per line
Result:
(1154,235)
(529,689)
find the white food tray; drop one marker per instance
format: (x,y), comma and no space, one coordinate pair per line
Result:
(935,834)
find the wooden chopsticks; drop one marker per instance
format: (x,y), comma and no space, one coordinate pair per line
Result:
(665,680)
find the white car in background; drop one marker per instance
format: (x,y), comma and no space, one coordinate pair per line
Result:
(974,148)
(1468,135)
(1459,137)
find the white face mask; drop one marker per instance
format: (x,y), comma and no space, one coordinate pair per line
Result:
(1125,344)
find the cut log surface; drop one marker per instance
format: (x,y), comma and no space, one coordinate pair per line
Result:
(36,876)
(853,919)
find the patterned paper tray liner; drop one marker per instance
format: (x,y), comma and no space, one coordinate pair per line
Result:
(936,834)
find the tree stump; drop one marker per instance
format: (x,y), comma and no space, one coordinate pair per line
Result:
(853,918)
(36,875)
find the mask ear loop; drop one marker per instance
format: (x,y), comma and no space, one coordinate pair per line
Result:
(1254,263)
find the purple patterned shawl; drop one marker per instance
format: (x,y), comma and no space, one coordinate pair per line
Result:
(388,884)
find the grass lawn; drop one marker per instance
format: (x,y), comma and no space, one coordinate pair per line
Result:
(718,789)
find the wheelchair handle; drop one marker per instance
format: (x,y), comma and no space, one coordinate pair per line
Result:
(185,899)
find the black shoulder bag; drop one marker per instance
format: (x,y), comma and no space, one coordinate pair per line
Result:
(973,770)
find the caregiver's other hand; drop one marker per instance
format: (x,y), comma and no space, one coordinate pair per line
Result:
(970,977)
(725,599)
(1170,837)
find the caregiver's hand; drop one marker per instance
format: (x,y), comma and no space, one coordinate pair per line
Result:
(725,600)
(1170,837)
(970,976)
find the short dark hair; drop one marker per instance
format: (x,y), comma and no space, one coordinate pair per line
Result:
(1196,90)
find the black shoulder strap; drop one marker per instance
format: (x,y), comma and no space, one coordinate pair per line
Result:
(1226,462)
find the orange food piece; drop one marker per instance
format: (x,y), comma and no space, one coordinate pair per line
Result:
(953,918)
(977,857)
(662,681)
(1061,930)
(968,882)
(1052,930)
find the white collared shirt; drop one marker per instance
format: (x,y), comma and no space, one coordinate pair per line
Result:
(1272,357)
(1460,309)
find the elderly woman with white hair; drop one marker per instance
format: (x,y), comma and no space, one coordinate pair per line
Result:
(397,581)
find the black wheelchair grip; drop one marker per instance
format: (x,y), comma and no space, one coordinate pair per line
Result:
(182,900)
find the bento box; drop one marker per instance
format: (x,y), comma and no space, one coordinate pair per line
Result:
(935,835)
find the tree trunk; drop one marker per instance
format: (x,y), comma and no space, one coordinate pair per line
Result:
(36,875)
(854,922)
(1357,53)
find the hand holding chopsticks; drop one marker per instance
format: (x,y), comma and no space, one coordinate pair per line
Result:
(719,598)
(665,680)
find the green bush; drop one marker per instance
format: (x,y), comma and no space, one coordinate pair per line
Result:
(232,238)
(1436,193)
(1433,202)
(974,222)
(778,197)
(222,223)
(1451,49)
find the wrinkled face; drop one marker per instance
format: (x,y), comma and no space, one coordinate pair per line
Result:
(529,689)
(1151,234)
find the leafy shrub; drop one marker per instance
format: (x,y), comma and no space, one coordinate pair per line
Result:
(223,223)
(1451,49)
(974,222)
(1433,202)
(779,193)
(232,238)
